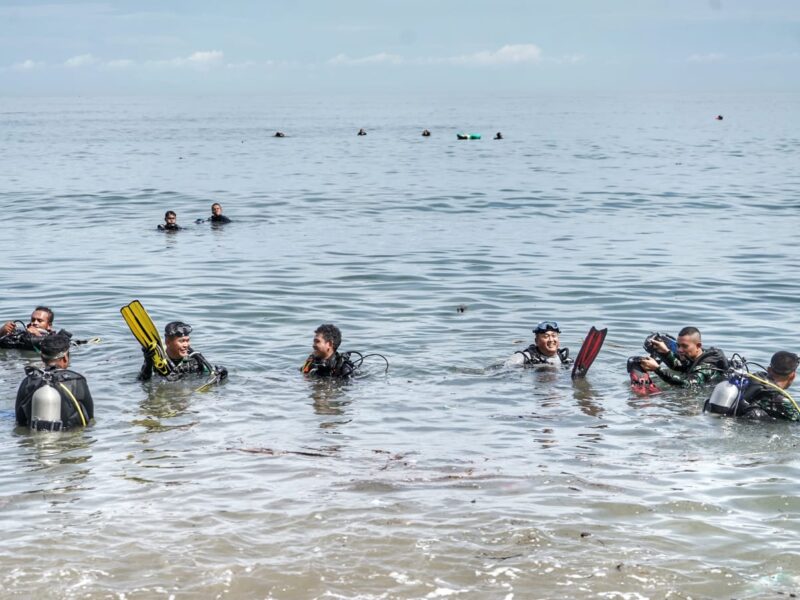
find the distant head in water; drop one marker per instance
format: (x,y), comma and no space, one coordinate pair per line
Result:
(719,117)
(279,134)
(426,133)
(362,132)
(170,221)
(498,136)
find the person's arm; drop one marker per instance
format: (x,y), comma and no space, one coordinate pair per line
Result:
(146,372)
(7,328)
(84,396)
(516,360)
(701,375)
(23,403)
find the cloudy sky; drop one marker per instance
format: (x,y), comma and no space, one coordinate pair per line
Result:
(190,46)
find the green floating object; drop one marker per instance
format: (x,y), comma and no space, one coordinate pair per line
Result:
(468,136)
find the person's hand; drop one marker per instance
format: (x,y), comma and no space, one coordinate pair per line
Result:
(7,327)
(149,353)
(648,364)
(35,331)
(660,346)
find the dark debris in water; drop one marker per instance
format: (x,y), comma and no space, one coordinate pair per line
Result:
(271,452)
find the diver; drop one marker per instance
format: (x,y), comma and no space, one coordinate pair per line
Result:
(325,360)
(216,214)
(170,222)
(687,364)
(361,132)
(182,360)
(30,336)
(498,136)
(545,349)
(55,398)
(760,395)
(279,134)
(426,133)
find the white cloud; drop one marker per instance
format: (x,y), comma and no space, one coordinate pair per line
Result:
(27,65)
(510,54)
(373,59)
(706,58)
(119,63)
(202,59)
(82,60)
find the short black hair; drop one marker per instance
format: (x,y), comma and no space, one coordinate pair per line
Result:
(689,331)
(330,333)
(47,310)
(54,346)
(170,213)
(784,363)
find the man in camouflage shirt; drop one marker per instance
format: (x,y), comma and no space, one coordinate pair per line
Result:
(691,365)
(761,400)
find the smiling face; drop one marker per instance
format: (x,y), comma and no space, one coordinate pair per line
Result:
(547,342)
(177,346)
(322,348)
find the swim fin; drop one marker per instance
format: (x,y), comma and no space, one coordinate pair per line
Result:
(146,333)
(589,351)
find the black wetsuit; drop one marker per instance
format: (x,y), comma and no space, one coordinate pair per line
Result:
(194,364)
(337,366)
(22,339)
(72,388)
(709,367)
(221,219)
(760,401)
(169,227)
(532,356)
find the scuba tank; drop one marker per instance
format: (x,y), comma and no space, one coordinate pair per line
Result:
(46,408)
(725,398)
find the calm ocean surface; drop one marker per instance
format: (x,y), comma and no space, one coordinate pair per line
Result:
(450,476)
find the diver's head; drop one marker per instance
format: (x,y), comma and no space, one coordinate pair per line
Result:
(216,209)
(782,368)
(546,337)
(177,338)
(170,218)
(42,318)
(55,350)
(327,338)
(690,345)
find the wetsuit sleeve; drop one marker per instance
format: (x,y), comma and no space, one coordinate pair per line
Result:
(84,396)
(146,372)
(701,375)
(516,359)
(22,406)
(672,361)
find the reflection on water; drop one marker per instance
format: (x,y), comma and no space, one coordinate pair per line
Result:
(452,475)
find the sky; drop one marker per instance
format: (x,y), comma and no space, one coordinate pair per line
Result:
(360,46)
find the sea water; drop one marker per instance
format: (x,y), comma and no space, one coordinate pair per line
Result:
(450,475)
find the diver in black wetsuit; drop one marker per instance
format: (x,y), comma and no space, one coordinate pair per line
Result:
(70,403)
(29,338)
(545,350)
(216,214)
(170,222)
(183,361)
(325,360)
